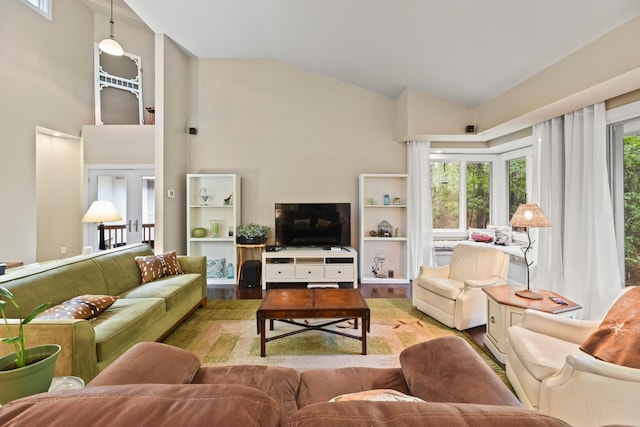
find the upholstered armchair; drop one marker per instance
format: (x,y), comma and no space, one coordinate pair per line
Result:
(550,373)
(452,294)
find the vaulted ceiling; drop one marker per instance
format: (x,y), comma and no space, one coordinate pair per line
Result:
(466,51)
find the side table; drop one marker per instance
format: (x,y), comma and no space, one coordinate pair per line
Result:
(505,309)
(241,249)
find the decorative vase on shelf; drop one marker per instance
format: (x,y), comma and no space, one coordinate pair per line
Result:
(386,199)
(215,227)
(204,196)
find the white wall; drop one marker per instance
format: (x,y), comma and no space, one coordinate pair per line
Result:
(292,136)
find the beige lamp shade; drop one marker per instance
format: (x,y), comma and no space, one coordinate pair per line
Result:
(529,215)
(101,211)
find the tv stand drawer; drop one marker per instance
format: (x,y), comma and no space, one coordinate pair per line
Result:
(338,271)
(309,271)
(280,271)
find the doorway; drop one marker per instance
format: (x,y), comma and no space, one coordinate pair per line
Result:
(132,192)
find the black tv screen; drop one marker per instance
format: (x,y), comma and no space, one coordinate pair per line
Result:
(313,224)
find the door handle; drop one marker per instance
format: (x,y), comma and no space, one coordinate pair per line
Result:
(135,223)
(129,226)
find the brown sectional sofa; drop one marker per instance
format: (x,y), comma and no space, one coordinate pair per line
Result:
(142,313)
(155,384)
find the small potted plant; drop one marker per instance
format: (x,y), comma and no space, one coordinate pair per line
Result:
(26,371)
(252,234)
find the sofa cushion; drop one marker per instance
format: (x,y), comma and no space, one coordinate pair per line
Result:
(173,289)
(153,267)
(416,414)
(150,363)
(542,355)
(321,385)
(120,324)
(473,262)
(119,267)
(146,404)
(377,395)
(447,288)
(617,339)
(80,307)
(447,369)
(278,382)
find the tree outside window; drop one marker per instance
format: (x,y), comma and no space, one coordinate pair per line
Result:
(445,194)
(632,209)
(478,194)
(517,169)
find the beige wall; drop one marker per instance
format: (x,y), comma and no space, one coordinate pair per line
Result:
(46,79)
(172,112)
(118,145)
(291,135)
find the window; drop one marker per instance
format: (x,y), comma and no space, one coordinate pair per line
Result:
(43,7)
(474,190)
(445,194)
(447,181)
(631,174)
(517,170)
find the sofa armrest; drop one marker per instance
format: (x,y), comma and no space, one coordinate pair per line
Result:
(563,328)
(76,337)
(196,264)
(474,283)
(437,271)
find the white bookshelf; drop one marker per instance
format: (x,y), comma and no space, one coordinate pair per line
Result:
(373,210)
(200,214)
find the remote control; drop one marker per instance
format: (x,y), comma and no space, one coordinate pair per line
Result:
(558,300)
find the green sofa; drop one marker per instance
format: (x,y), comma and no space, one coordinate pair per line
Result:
(146,312)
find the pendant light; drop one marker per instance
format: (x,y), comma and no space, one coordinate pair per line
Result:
(109,45)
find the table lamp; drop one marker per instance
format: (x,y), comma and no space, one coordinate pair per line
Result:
(529,215)
(101,211)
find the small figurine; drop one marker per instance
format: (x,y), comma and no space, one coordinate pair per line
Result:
(227,201)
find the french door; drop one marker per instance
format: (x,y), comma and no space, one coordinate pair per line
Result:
(132,193)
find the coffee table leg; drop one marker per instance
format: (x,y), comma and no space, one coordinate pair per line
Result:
(263,333)
(365,327)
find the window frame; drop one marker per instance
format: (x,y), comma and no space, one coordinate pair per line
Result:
(43,7)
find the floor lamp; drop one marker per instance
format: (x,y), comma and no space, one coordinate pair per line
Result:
(529,215)
(101,211)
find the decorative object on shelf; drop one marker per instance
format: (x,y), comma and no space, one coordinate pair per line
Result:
(216,225)
(390,273)
(396,232)
(371,201)
(377,265)
(204,196)
(199,232)
(529,215)
(396,200)
(373,233)
(26,371)
(229,200)
(215,268)
(252,234)
(386,199)
(230,271)
(385,229)
(230,231)
(101,211)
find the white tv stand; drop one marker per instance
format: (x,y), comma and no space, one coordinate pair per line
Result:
(310,265)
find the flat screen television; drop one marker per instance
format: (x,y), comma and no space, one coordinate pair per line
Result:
(313,224)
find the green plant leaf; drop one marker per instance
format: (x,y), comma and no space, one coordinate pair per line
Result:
(11,340)
(39,309)
(6,293)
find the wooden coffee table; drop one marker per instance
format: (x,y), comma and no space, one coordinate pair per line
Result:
(287,304)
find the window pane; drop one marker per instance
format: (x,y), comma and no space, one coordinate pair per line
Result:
(478,194)
(445,194)
(632,209)
(517,183)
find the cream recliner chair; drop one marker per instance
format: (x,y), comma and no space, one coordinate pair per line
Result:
(452,294)
(550,373)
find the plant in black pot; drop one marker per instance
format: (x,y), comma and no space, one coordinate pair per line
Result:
(252,234)
(26,371)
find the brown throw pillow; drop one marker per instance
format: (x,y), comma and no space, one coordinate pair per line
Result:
(80,307)
(153,267)
(617,339)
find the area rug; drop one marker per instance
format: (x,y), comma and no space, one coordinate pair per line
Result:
(225,333)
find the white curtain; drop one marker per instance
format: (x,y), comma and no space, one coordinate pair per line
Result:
(577,256)
(419,207)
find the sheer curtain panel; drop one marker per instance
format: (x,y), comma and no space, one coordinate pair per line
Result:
(419,207)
